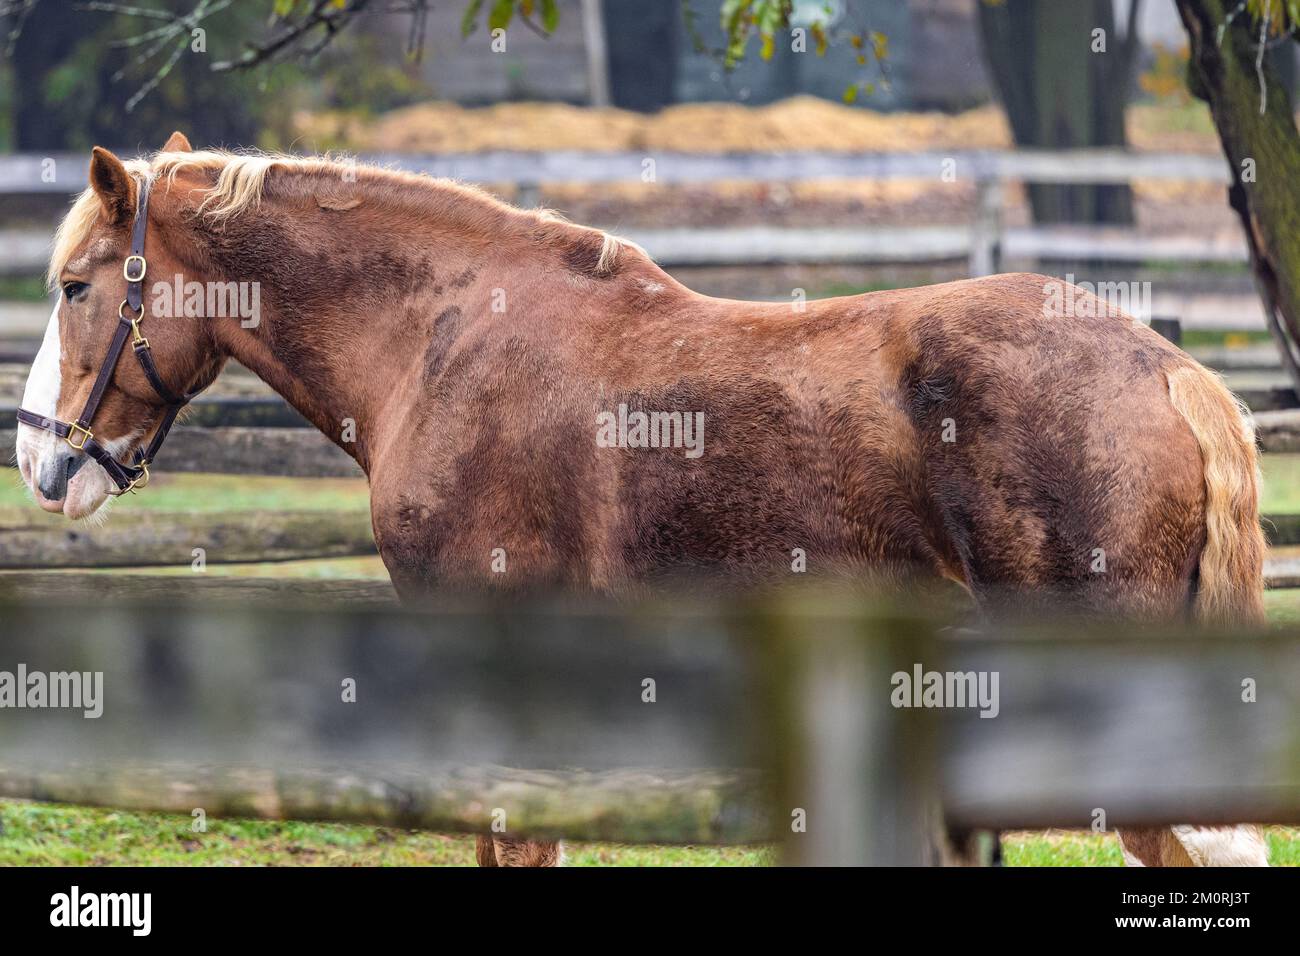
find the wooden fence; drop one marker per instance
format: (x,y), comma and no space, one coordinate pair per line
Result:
(682,723)
(983,244)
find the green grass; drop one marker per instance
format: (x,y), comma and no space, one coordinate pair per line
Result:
(1281,491)
(34,834)
(207,493)
(1225,338)
(23,289)
(1283,606)
(1060,848)
(834,290)
(1083,848)
(365,568)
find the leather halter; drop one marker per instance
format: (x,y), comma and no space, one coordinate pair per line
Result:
(127,477)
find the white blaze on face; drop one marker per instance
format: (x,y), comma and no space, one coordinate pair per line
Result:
(38,449)
(41,395)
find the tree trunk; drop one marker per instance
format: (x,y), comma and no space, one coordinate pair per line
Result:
(1263,152)
(47,33)
(1059,93)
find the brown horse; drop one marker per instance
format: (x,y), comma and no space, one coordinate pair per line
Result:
(538,405)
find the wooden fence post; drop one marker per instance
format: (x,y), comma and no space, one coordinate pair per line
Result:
(986,228)
(1168,328)
(528,194)
(854,779)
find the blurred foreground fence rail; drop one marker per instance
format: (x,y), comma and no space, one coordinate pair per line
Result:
(983,243)
(696,723)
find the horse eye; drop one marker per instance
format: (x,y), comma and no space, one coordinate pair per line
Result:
(73,289)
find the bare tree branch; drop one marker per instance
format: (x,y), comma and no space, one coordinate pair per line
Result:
(20,10)
(174,32)
(321,15)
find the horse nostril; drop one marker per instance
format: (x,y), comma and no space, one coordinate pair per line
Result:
(56,470)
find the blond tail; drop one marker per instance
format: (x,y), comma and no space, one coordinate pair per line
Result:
(1232,563)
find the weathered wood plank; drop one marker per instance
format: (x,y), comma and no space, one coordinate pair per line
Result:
(1267,398)
(24,251)
(1118,244)
(234,382)
(291,452)
(548,687)
(224,413)
(295,452)
(1278,431)
(1282,529)
(1148,727)
(1283,572)
(48,587)
(1151,731)
(1251,358)
(629,806)
(763,245)
(25,173)
(32,539)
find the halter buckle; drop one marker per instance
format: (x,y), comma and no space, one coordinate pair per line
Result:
(141,481)
(137,340)
(73,428)
(126,269)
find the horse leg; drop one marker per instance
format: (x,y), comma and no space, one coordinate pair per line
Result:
(1183,845)
(512,851)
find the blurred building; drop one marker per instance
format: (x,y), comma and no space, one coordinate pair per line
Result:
(650,59)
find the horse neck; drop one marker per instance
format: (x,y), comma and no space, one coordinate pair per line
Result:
(345,312)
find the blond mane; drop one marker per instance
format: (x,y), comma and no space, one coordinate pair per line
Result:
(241,181)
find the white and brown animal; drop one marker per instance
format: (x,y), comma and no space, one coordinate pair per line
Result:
(824,428)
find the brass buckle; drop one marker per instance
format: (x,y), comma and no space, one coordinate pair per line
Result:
(126,269)
(73,428)
(140,482)
(137,340)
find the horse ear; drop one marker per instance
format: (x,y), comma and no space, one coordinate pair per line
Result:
(113,185)
(177,143)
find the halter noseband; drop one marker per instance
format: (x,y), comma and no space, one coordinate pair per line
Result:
(78,434)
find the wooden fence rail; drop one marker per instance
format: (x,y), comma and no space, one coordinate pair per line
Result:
(983,243)
(30,539)
(665,723)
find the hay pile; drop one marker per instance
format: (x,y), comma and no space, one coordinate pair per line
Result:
(800,123)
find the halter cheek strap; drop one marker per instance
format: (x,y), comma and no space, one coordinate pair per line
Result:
(127,477)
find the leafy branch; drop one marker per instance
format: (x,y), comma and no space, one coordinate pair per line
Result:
(743,20)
